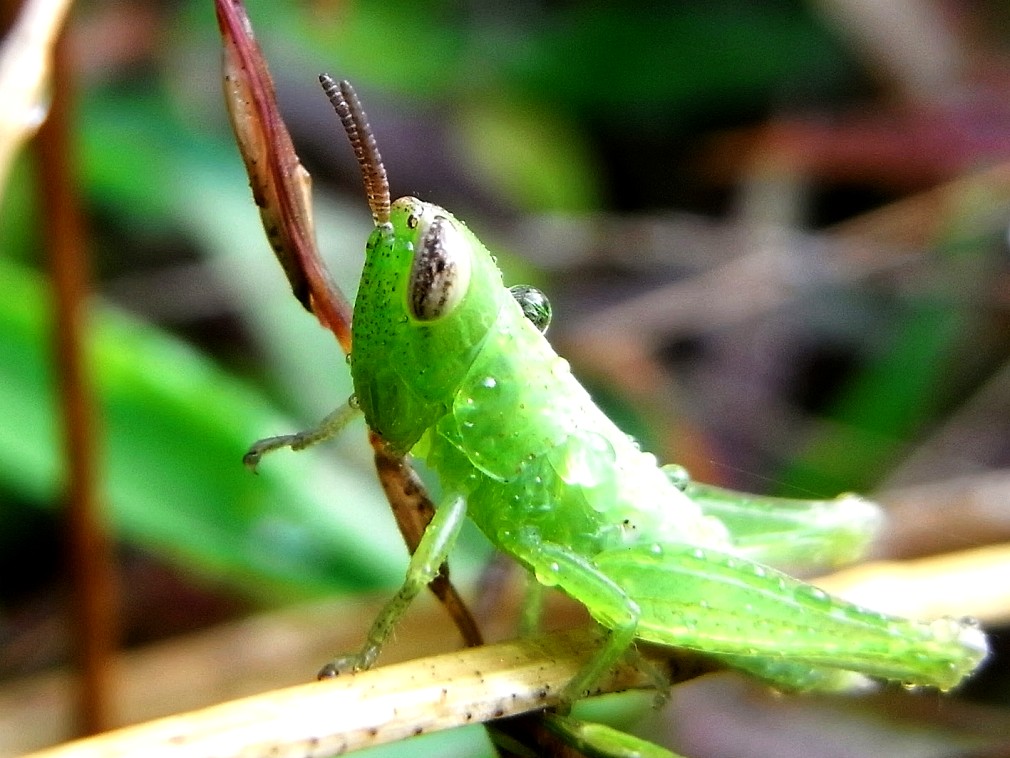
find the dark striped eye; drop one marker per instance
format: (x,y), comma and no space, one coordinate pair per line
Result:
(440,273)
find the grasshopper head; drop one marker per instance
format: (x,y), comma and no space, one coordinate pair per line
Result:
(429,295)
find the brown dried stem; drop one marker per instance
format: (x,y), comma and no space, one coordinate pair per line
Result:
(91,559)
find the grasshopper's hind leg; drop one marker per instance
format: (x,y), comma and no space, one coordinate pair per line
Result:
(779,628)
(326,429)
(788,532)
(431,553)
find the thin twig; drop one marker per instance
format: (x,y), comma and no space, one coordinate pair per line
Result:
(91,558)
(281,186)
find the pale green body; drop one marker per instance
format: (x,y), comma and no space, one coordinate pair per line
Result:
(507,425)
(518,443)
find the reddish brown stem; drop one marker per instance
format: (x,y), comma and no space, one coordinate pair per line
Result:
(90,553)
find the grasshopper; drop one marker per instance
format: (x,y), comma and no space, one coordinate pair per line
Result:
(452,367)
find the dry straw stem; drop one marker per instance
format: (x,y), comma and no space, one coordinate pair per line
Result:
(445,691)
(25,67)
(968,583)
(378,706)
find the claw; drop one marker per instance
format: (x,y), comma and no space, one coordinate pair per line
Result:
(251,460)
(267,445)
(345,664)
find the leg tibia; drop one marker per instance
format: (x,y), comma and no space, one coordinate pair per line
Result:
(532,610)
(556,566)
(600,740)
(431,552)
(328,428)
(789,676)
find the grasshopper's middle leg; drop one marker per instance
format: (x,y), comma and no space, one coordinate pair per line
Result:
(431,553)
(557,566)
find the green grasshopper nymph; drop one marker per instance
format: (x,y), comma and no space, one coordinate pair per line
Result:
(448,366)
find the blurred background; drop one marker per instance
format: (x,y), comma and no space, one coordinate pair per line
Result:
(775,236)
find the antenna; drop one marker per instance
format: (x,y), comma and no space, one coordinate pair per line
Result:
(345,102)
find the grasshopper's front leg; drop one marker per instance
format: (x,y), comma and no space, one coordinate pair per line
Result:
(326,429)
(434,547)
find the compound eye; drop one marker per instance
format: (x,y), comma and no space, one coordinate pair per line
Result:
(440,273)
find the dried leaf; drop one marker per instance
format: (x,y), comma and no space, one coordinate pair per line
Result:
(281,186)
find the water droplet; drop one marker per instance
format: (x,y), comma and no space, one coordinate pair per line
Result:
(489,382)
(677,474)
(813,593)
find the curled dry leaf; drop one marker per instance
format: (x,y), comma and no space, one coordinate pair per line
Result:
(281,186)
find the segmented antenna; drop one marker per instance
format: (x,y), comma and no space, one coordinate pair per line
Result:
(345,102)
